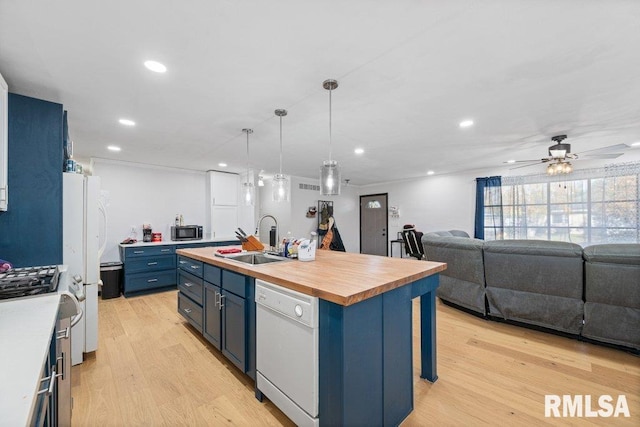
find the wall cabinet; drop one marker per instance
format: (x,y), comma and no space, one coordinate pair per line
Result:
(222,204)
(223,188)
(4,144)
(227,312)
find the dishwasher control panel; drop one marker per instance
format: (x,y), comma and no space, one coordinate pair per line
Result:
(295,305)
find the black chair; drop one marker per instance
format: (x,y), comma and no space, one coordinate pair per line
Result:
(413,242)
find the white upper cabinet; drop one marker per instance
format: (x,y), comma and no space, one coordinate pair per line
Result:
(223,188)
(222,204)
(4,144)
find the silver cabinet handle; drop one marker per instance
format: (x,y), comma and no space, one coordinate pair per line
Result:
(187,310)
(152,280)
(188,285)
(216,302)
(195,267)
(221,304)
(64,334)
(152,263)
(183,262)
(165,250)
(52,383)
(61,359)
(138,252)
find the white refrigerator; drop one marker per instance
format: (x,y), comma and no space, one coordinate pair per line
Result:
(83,223)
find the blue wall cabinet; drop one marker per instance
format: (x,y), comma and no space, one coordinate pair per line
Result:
(31,229)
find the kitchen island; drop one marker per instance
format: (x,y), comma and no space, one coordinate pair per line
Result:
(365,322)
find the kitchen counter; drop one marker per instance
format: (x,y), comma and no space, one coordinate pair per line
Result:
(140,243)
(340,277)
(26,326)
(365,338)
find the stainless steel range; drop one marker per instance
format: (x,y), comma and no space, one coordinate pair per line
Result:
(26,281)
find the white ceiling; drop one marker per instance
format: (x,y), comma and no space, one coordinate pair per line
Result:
(409,72)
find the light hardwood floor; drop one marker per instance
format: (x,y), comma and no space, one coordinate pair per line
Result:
(152,368)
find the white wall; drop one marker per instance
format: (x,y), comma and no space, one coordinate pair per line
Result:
(431,203)
(291,216)
(139,194)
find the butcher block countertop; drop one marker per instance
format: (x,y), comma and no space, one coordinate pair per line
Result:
(340,277)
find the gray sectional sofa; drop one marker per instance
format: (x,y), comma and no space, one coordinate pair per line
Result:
(592,292)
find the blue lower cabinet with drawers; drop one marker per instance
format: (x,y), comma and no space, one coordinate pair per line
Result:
(151,268)
(220,304)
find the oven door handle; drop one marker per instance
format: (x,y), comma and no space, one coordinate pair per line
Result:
(75,319)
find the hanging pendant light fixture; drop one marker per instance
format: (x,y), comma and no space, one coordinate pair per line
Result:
(330,171)
(280,181)
(248,190)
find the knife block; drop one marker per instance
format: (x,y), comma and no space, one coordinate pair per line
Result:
(252,244)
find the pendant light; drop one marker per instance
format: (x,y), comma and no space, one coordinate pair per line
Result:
(330,171)
(280,181)
(248,190)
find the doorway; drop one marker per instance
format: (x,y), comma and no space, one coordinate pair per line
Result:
(374,224)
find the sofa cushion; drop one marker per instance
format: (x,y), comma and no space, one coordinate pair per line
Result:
(537,266)
(462,283)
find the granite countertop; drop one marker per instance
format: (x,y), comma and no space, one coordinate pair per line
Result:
(340,277)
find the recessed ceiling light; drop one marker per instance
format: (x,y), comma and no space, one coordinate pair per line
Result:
(511,161)
(359,150)
(635,144)
(466,123)
(222,165)
(127,122)
(155,66)
(430,172)
(113,148)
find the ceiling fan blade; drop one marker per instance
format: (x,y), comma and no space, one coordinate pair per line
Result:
(604,156)
(525,166)
(526,161)
(616,147)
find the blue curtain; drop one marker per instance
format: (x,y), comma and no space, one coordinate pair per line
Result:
(488,202)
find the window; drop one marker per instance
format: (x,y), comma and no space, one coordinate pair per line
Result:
(586,207)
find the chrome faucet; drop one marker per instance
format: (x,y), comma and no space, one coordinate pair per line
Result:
(257,233)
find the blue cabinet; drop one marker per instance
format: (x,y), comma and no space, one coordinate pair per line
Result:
(150,268)
(228,310)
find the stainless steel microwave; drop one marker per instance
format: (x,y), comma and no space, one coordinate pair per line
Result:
(186,232)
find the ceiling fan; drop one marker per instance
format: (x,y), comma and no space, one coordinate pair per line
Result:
(560,154)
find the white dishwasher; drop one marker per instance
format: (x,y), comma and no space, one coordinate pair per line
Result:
(287,351)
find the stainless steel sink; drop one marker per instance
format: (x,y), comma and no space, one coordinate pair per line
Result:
(253,258)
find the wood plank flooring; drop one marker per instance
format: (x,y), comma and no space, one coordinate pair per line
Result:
(153,369)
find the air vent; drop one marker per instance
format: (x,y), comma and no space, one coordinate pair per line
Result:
(312,187)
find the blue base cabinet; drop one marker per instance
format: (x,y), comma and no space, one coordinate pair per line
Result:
(228,311)
(152,268)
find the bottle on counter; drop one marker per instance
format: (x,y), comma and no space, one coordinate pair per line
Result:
(181,220)
(177,223)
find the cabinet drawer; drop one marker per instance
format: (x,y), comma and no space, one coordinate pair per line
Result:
(212,274)
(190,310)
(234,282)
(191,265)
(149,251)
(190,285)
(145,281)
(161,262)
